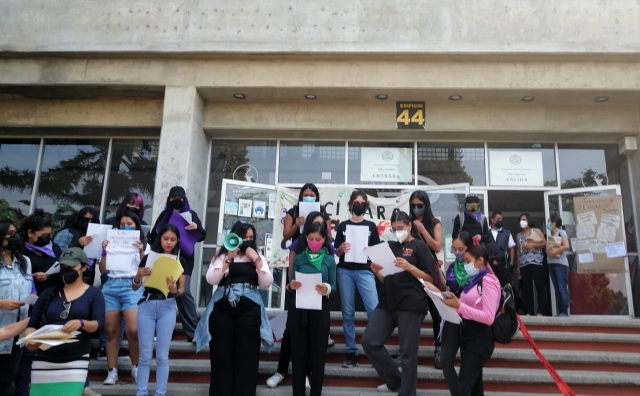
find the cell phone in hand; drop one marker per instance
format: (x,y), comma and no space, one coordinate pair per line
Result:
(445,296)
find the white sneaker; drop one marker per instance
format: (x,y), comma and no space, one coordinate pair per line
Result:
(275,380)
(306,383)
(383,388)
(330,342)
(134,373)
(112,377)
(89,392)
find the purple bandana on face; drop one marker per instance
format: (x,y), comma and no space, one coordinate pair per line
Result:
(477,215)
(48,249)
(473,281)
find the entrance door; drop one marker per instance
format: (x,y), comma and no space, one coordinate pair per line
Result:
(597,292)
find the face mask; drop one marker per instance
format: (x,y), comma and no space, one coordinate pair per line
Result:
(248,244)
(128,228)
(14,243)
(459,256)
(418,211)
(402,235)
(43,240)
(315,246)
(499,224)
(359,210)
(176,204)
(84,223)
(308,199)
(524,224)
(471,269)
(69,276)
(549,226)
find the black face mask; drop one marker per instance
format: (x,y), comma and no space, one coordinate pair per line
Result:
(359,210)
(177,204)
(248,244)
(43,240)
(14,243)
(84,224)
(499,224)
(69,276)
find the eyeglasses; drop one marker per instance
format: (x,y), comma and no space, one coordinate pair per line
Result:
(67,307)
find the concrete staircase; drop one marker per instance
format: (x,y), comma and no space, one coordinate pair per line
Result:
(594,355)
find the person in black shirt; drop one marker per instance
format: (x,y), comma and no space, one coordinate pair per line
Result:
(293,221)
(132,202)
(472,221)
(352,275)
(177,202)
(403,304)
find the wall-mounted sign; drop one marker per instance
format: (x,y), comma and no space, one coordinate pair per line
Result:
(410,115)
(516,169)
(382,164)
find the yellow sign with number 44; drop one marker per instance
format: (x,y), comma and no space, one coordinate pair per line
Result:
(410,115)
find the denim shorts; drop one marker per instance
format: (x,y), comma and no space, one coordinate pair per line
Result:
(119,296)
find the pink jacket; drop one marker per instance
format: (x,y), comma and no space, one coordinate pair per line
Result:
(481,308)
(214,274)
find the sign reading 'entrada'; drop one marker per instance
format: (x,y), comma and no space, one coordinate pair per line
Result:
(410,115)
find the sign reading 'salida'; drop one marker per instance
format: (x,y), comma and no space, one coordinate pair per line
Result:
(410,115)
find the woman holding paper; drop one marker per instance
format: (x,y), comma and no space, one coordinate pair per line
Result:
(477,305)
(74,233)
(157,312)
(294,220)
(42,251)
(121,299)
(77,307)
(235,320)
(310,327)
(530,254)
(403,304)
(558,263)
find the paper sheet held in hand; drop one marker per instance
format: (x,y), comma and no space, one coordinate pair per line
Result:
(306,296)
(54,269)
(163,267)
(30,299)
(381,254)
(446,313)
(358,237)
(98,234)
(304,208)
(49,336)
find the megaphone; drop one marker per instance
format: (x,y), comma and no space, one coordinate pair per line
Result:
(232,242)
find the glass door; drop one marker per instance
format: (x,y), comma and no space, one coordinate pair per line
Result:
(596,285)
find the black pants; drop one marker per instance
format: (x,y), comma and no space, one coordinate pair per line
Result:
(503,272)
(9,364)
(450,346)
(23,378)
(531,274)
(234,348)
(476,348)
(309,332)
(435,318)
(187,310)
(378,331)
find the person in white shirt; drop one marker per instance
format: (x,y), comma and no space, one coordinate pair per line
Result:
(501,249)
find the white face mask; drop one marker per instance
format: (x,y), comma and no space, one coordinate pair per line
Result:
(524,224)
(402,235)
(471,269)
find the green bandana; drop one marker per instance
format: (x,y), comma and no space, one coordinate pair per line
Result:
(462,277)
(315,258)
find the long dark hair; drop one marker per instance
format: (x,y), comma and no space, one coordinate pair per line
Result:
(240,229)
(529,218)
(477,252)
(168,211)
(404,217)
(310,227)
(427,219)
(36,221)
(156,246)
(75,219)
(131,198)
(558,220)
(133,216)
(465,238)
(312,187)
(4,230)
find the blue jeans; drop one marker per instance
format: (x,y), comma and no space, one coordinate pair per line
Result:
(155,317)
(559,276)
(347,282)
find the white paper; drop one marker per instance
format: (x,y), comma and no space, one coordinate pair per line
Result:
(304,208)
(580,245)
(598,246)
(585,231)
(606,233)
(187,216)
(30,299)
(617,249)
(358,237)
(244,207)
(306,296)
(447,313)
(54,269)
(278,324)
(259,209)
(48,336)
(382,255)
(119,262)
(271,210)
(588,218)
(231,208)
(610,220)
(122,241)
(585,258)
(98,233)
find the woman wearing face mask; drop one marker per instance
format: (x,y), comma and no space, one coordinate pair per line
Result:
(74,233)
(235,320)
(472,221)
(530,254)
(157,314)
(132,202)
(296,248)
(429,230)
(16,284)
(62,369)
(310,328)
(559,265)
(177,202)
(351,275)
(403,304)
(293,221)
(121,299)
(477,305)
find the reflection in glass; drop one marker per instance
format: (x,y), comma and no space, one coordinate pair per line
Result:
(449,163)
(548,159)
(307,162)
(133,169)
(588,165)
(18,160)
(383,167)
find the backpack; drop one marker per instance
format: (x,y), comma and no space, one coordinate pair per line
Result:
(461,217)
(505,325)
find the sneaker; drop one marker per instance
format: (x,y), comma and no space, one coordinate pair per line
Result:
(306,383)
(330,343)
(134,373)
(90,392)
(112,377)
(122,354)
(275,380)
(352,361)
(437,363)
(102,355)
(383,388)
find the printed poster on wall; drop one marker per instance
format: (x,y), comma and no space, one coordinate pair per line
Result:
(388,165)
(600,239)
(516,169)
